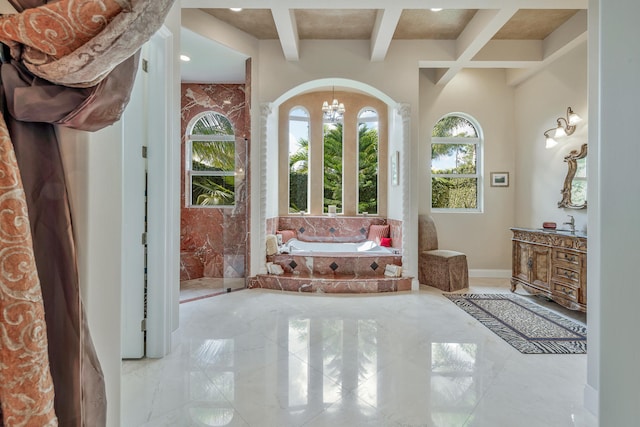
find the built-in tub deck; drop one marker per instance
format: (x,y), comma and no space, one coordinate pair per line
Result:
(334,273)
(334,283)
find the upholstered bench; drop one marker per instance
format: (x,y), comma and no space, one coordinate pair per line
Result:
(443,269)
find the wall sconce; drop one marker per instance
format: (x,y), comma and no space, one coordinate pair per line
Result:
(566,126)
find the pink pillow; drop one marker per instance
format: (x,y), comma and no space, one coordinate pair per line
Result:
(385,241)
(377,232)
(287,235)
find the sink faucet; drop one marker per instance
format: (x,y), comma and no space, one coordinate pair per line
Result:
(571,223)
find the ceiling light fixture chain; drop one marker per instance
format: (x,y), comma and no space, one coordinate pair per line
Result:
(333,112)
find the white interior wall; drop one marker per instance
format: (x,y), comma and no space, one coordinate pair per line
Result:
(394,195)
(172,23)
(593,196)
(484,95)
(617,70)
(540,172)
(271,165)
(93,169)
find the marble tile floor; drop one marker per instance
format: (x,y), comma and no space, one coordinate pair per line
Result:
(269,358)
(196,289)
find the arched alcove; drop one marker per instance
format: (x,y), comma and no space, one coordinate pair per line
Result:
(399,137)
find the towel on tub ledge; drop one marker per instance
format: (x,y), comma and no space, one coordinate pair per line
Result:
(272,244)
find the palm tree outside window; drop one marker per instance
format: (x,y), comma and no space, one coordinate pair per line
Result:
(211,161)
(332,145)
(298,160)
(368,149)
(456,170)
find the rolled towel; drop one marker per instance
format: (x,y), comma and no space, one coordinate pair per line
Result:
(272,244)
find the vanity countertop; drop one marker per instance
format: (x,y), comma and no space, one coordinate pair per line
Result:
(562,232)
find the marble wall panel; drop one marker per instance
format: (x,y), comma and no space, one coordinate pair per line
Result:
(213,241)
(329,228)
(395,233)
(321,285)
(352,265)
(272,225)
(191,266)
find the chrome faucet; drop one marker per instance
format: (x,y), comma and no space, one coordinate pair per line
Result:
(571,223)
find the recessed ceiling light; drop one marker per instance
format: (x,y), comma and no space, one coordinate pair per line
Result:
(436,9)
(236,9)
(185,58)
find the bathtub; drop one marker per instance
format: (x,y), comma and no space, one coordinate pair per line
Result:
(298,247)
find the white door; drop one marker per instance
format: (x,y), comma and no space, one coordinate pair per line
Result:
(151,272)
(163,211)
(135,122)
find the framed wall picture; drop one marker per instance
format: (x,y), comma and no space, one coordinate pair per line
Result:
(395,160)
(499,179)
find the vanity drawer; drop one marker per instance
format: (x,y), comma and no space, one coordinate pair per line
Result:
(566,273)
(566,291)
(569,257)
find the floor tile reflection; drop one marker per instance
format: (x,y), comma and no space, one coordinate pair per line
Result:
(267,358)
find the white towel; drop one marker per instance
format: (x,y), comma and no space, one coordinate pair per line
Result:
(272,244)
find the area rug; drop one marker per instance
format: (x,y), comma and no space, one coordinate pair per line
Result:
(529,328)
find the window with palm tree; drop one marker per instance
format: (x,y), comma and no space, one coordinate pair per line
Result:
(455,164)
(332,163)
(368,161)
(211,161)
(298,160)
(332,166)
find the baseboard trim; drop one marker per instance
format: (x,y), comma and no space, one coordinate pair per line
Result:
(591,399)
(502,274)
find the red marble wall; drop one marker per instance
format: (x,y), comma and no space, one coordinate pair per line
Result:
(395,232)
(213,241)
(339,228)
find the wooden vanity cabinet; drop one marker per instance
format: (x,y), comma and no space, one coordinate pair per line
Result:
(552,264)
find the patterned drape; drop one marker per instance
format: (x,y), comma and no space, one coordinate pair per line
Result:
(72,63)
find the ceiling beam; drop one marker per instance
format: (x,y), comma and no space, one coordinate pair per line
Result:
(383,30)
(484,25)
(567,37)
(285,21)
(511,50)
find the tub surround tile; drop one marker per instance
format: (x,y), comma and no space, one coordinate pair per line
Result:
(331,272)
(330,228)
(272,225)
(359,266)
(335,283)
(190,264)
(395,233)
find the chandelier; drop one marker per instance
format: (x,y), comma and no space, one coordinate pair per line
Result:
(333,112)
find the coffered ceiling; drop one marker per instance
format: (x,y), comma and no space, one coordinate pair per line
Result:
(519,35)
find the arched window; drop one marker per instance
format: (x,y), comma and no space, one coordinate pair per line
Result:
(332,145)
(456,172)
(211,161)
(368,149)
(324,162)
(298,160)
